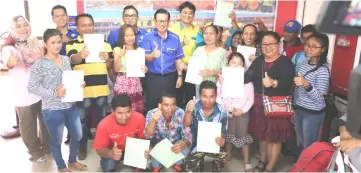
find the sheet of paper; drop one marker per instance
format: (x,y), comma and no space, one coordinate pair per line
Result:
(206,138)
(222,11)
(163,153)
(246,52)
(195,65)
(233,84)
(72,80)
(135,59)
(134,152)
(95,44)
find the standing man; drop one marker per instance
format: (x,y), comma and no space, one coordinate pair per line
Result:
(113,130)
(164,52)
(95,77)
(290,42)
(187,33)
(206,109)
(166,122)
(130,17)
(61,19)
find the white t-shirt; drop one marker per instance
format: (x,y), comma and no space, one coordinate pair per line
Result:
(19,80)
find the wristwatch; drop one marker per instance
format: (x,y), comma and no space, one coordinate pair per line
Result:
(180,75)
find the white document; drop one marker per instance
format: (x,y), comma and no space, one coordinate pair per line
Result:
(95,44)
(207,134)
(134,152)
(222,11)
(246,51)
(163,153)
(233,84)
(195,65)
(135,59)
(72,81)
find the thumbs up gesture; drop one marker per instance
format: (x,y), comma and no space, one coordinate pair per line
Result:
(156,52)
(300,80)
(185,41)
(191,104)
(116,153)
(84,52)
(12,60)
(267,81)
(157,114)
(118,53)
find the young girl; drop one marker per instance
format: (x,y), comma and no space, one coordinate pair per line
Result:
(46,81)
(123,85)
(237,132)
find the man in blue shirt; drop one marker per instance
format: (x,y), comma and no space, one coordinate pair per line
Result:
(130,17)
(61,18)
(164,52)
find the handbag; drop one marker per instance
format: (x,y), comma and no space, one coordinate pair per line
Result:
(276,106)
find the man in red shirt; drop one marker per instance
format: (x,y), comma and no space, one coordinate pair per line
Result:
(290,42)
(113,130)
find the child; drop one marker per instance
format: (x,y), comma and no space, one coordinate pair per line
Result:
(129,86)
(237,132)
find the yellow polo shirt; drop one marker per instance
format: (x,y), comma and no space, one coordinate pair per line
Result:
(191,34)
(95,74)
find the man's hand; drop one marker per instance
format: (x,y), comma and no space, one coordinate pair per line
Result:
(185,41)
(83,84)
(191,104)
(348,145)
(156,52)
(157,114)
(177,148)
(84,52)
(179,82)
(344,134)
(104,56)
(220,141)
(147,154)
(60,91)
(116,153)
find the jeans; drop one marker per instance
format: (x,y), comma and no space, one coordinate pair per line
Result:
(55,120)
(108,164)
(156,164)
(99,105)
(308,125)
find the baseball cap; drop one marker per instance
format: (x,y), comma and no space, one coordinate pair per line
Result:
(292,26)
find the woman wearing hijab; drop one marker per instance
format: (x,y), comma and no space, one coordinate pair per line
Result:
(19,53)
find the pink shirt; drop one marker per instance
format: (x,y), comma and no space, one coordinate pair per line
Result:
(244,103)
(19,80)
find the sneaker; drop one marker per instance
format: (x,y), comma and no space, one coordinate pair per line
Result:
(39,160)
(156,169)
(82,154)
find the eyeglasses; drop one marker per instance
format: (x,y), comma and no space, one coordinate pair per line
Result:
(162,21)
(307,46)
(133,16)
(271,45)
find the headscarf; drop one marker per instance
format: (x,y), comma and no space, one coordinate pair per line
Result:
(29,49)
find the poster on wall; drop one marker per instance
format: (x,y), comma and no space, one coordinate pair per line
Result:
(107,14)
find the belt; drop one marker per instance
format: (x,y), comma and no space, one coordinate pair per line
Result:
(165,74)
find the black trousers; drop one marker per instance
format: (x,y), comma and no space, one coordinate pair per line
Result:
(156,84)
(185,93)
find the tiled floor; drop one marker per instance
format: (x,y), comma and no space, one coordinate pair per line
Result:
(14,157)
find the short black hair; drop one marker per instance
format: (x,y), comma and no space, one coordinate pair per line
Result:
(207,85)
(121,100)
(129,7)
(272,34)
(308,28)
(236,54)
(58,7)
(187,5)
(50,33)
(81,16)
(167,95)
(161,11)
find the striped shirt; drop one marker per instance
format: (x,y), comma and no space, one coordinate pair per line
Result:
(45,77)
(319,79)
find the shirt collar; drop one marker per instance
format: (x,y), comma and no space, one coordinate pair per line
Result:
(181,26)
(155,32)
(215,109)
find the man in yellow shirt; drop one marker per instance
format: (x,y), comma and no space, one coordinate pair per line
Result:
(95,77)
(187,33)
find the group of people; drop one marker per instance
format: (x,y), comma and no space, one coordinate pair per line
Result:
(172,107)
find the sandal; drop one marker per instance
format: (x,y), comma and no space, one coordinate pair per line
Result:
(64,170)
(248,168)
(261,166)
(78,166)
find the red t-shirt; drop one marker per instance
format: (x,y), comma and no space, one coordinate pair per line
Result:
(109,131)
(291,50)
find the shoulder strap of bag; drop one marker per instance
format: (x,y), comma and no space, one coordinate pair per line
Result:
(298,55)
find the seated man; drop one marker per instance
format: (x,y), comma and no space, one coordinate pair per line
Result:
(166,121)
(205,110)
(113,130)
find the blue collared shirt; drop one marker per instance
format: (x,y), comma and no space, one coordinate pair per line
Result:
(114,35)
(170,49)
(72,34)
